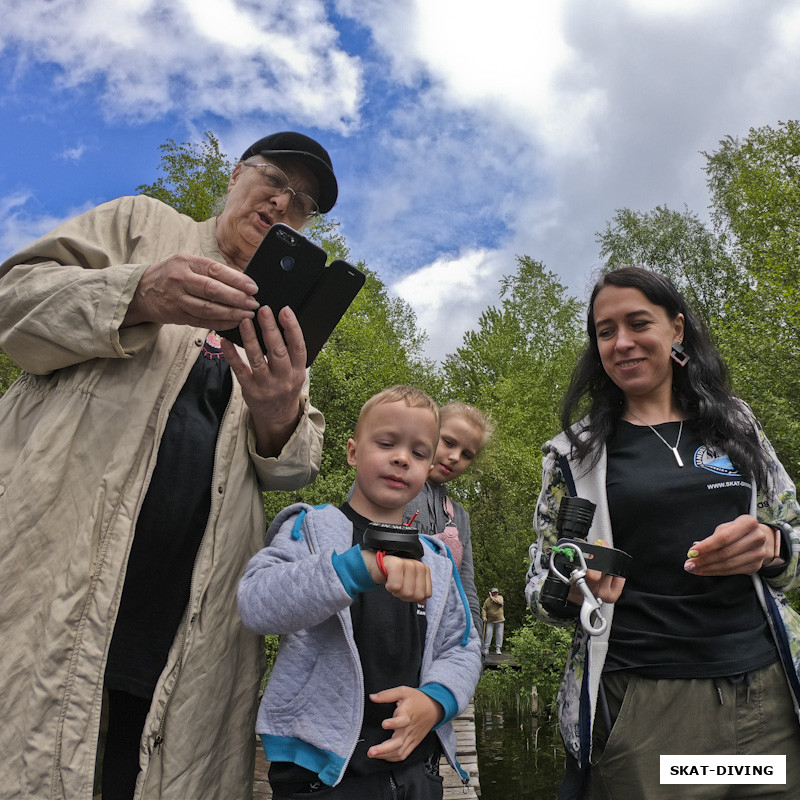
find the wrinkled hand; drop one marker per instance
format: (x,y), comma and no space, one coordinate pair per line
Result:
(740,547)
(409,579)
(272,385)
(192,290)
(414,717)
(604,587)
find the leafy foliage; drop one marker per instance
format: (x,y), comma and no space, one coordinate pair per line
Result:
(741,275)
(540,650)
(677,245)
(755,191)
(515,367)
(194,177)
(8,372)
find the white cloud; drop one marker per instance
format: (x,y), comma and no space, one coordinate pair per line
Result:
(488,131)
(73,153)
(573,108)
(20,224)
(449,295)
(675,8)
(193,57)
(504,61)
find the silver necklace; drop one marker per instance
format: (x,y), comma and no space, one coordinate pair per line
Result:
(674,449)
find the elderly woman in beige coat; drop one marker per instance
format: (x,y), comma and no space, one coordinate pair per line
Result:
(134,449)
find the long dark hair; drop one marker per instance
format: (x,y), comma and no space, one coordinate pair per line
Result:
(701,387)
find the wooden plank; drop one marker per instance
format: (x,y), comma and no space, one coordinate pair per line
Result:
(467,755)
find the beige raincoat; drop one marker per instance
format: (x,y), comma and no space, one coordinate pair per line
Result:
(79,436)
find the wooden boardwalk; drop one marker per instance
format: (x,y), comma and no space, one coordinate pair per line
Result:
(495,660)
(453,788)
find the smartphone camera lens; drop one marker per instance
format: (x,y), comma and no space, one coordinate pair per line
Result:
(287,262)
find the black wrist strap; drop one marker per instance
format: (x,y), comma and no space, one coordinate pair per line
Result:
(604,559)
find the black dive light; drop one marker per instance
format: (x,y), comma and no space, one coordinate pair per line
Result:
(573,522)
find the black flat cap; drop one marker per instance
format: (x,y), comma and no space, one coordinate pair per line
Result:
(310,152)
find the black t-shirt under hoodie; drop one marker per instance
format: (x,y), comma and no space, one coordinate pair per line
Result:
(390,636)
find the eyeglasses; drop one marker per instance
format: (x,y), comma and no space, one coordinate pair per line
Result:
(302,207)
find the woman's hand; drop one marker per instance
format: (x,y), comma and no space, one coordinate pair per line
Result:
(740,547)
(272,386)
(604,587)
(192,290)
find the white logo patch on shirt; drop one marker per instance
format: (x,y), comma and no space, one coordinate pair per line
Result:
(715,461)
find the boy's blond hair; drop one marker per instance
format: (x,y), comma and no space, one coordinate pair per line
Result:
(473,415)
(410,395)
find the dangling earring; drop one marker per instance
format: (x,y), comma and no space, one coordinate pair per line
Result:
(678,355)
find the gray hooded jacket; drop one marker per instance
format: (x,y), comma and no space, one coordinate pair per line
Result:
(301,586)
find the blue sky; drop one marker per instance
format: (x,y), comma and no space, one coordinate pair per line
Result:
(463,134)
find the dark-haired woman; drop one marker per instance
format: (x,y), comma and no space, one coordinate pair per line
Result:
(701,653)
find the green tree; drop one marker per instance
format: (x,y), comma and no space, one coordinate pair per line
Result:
(679,246)
(514,366)
(194,176)
(755,193)
(740,273)
(8,372)
(541,651)
(755,190)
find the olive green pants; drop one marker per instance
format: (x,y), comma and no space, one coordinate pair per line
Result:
(695,717)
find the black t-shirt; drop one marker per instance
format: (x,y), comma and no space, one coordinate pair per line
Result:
(169,529)
(390,636)
(669,623)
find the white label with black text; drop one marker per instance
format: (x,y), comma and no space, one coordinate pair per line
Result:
(723,769)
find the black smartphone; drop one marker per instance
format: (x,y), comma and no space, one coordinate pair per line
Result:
(285,268)
(337,287)
(290,271)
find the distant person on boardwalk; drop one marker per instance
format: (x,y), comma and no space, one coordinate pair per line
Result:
(697,651)
(135,448)
(376,654)
(494,619)
(465,431)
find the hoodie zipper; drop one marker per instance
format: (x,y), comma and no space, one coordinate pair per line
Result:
(460,771)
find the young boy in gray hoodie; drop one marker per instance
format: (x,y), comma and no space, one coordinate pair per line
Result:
(377,651)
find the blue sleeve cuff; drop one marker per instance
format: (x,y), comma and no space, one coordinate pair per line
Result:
(353,572)
(444,697)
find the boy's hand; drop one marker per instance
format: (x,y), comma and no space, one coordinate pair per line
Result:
(414,717)
(408,579)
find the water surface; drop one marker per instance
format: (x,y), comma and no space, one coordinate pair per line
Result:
(519,756)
